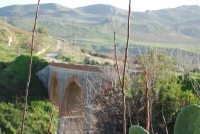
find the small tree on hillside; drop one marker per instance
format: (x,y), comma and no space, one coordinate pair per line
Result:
(42,30)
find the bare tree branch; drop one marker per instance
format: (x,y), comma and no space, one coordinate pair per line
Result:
(115,51)
(124,73)
(164,121)
(29,74)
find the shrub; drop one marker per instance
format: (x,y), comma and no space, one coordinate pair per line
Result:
(4,34)
(85,50)
(12,84)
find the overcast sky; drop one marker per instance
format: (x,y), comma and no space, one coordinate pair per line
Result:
(137,5)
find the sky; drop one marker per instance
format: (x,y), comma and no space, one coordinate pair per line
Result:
(137,5)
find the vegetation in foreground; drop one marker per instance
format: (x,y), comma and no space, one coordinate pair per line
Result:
(12,83)
(168,90)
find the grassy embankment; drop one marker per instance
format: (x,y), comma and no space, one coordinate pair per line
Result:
(13,78)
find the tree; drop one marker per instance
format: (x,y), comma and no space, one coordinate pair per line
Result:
(152,67)
(42,30)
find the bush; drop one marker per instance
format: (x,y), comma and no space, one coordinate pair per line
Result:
(42,30)
(85,50)
(4,34)
(12,84)
(89,61)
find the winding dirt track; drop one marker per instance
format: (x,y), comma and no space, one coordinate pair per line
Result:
(52,55)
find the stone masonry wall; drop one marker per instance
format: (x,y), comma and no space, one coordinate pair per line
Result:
(90,78)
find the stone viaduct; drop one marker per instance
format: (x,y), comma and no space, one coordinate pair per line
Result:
(72,89)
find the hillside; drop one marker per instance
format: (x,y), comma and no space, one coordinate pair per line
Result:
(90,26)
(99,9)
(14,64)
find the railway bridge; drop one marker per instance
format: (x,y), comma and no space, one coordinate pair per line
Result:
(72,89)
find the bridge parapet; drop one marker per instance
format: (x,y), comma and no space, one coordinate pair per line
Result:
(91,68)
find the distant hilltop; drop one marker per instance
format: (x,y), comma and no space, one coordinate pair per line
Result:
(172,25)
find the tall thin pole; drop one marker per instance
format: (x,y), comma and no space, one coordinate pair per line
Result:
(124,71)
(29,74)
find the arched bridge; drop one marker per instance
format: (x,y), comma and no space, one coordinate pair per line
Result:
(72,88)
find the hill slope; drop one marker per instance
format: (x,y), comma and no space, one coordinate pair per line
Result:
(13,77)
(90,26)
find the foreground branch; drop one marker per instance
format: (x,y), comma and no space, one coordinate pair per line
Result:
(29,74)
(115,51)
(166,130)
(124,73)
(116,60)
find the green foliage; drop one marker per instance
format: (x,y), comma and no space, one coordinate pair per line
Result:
(168,93)
(171,99)
(94,62)
(89,61)
(7,53)
(37,119)
(4,35)
(3,65)
(12,84)
(20,41)
(99,55)
(128,87)
(156,66)
(42,30)
(69,59)
(189,79)
(85,50)
(137,130)
(40,42)
(14,78)
(188,120)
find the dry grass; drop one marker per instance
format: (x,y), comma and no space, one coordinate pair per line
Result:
(75,51)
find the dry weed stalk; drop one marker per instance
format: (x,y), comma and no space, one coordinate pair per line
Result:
(29,74)
(115,50)
(165,124)
(124,71)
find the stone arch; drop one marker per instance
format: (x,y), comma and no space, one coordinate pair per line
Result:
(54,92)
(72,101)
(72,110)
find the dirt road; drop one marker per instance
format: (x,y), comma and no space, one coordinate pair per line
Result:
(52,55)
